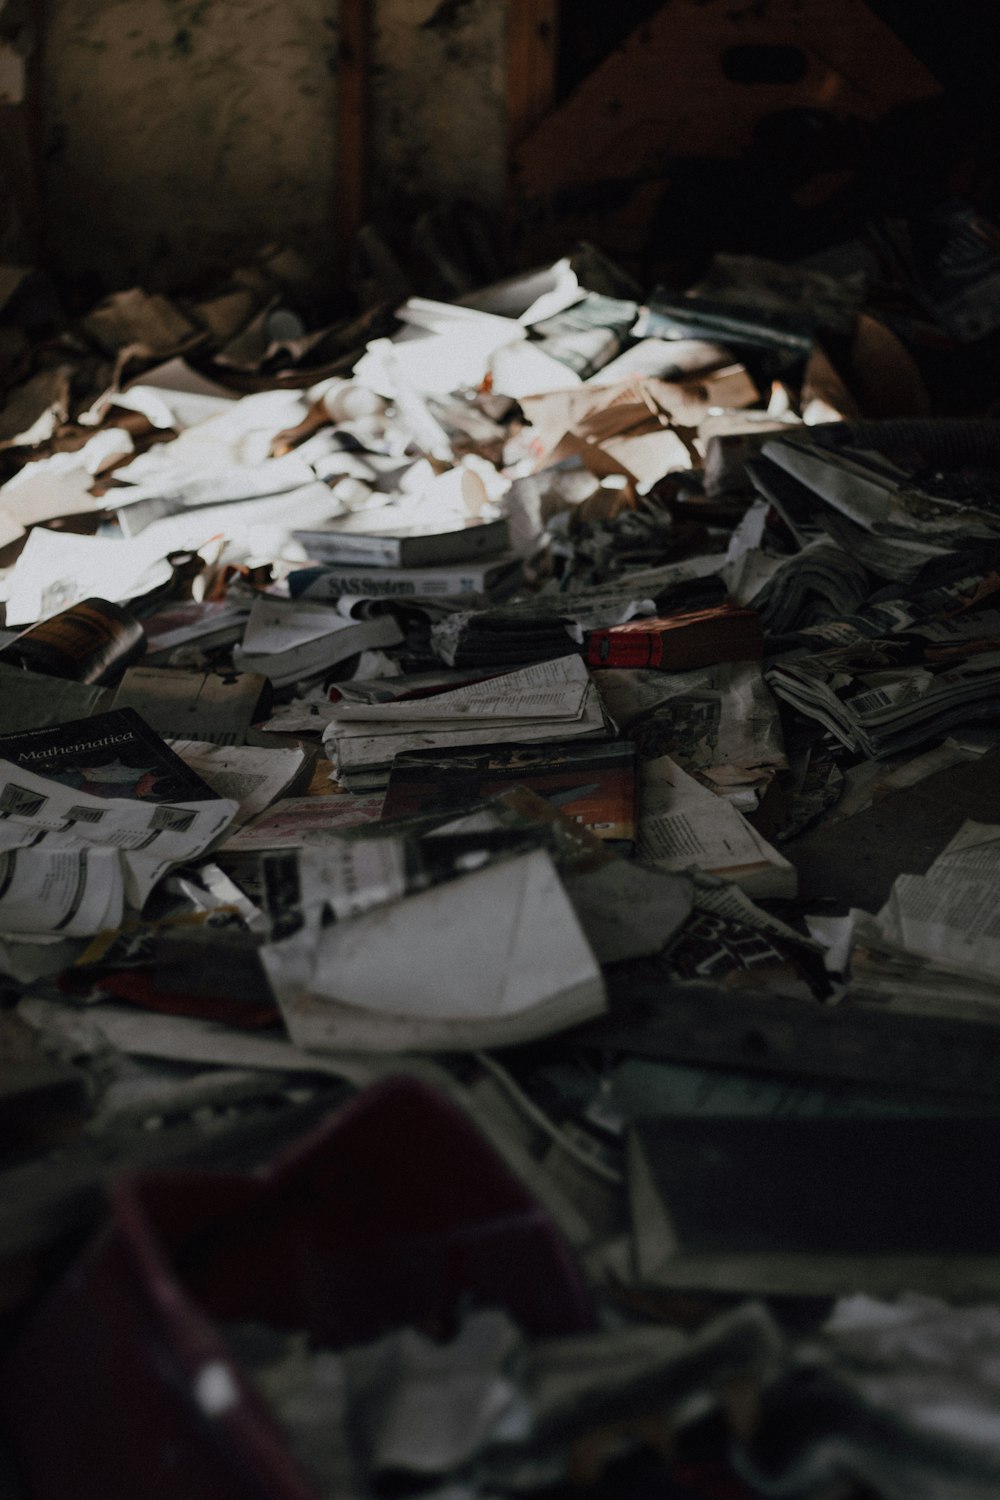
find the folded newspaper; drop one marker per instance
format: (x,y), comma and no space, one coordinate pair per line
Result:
(724,715)
(883,697)
(880,498)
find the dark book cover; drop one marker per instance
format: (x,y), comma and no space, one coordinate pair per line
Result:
(590,781)
(92,641)
(108,755)
(826,1186)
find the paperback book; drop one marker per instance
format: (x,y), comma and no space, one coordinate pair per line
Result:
(592,781)
(115,754)
(377,539)
(448,581)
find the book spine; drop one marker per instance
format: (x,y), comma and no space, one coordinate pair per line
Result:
(607,648)
(366,552)
(325,583)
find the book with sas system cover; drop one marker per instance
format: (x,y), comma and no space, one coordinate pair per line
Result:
(592,781)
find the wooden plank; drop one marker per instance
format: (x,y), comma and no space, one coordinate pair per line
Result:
(532,32)
(756,1032)
(352,123)
(665,93)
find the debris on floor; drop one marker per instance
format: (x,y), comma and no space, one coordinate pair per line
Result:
(499,842)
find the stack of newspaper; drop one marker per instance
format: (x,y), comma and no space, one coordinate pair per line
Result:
(883,697)
(879,496)
(553,700)
(820,581)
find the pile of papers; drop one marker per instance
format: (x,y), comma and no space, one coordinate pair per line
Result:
(474,711)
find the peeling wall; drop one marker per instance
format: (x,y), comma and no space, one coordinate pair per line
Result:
(181,135)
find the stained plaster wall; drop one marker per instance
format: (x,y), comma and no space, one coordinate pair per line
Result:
(181,135)
(178,132)
(438,103)
(18,186)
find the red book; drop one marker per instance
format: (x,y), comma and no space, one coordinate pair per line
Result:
(692,638)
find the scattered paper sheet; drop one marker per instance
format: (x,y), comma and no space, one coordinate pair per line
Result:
(682,824)
(73,860)
(250,777)
(56,569)
(398,977)
(950,915)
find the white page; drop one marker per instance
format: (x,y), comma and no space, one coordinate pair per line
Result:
(451,317)
(682,824)
(56,884)
(196,482)
(60,484)
(399,976)
(530,296)
(243,774)
(167,406)
(224,458)
(275,625)
(951,915)
(525,369)
(57,569)
(259,528)
(435,364)
(311,656)
(664,359)
(246,426)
